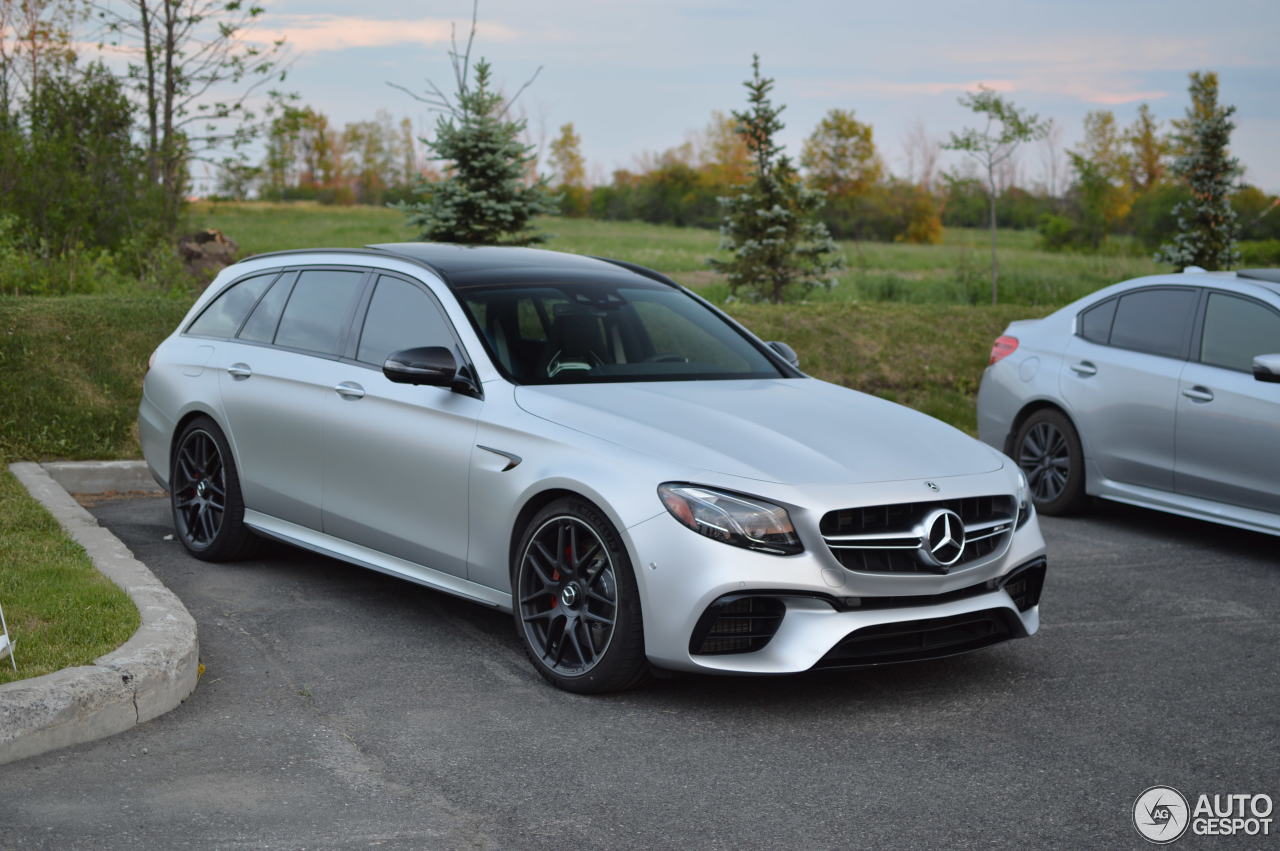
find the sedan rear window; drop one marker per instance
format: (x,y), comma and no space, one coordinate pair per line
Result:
(1156,321)
(1236,330)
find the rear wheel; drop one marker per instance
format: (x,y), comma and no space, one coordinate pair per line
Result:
(204,492)
(1047,449)
(577,608)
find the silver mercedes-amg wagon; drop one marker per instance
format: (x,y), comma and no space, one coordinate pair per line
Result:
(636,477)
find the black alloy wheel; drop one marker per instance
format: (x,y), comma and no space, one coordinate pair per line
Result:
(1048,451)
(199,489)
(576,605)
(204,492)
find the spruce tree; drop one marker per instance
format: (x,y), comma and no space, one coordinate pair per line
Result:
(484,198)
(779,251)
(1206,221)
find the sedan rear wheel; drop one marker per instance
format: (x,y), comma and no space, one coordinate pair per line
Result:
(1047,448)
(577,609)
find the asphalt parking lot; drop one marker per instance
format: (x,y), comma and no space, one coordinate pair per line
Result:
(344,708)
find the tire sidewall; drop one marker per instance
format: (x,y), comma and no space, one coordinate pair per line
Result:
(231,535)
(623,662)
(1073,497)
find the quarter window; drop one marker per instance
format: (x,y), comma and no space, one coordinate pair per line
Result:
(224,314)
(317,311)
(1155,321)
(401,316)
(1236,330)
(1095,323)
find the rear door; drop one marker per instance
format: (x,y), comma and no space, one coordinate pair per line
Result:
(1120,381)
(1228,432)
(397,456)
(275,382)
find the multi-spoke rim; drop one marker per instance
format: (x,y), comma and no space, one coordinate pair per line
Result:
(568,595)
(1046,459)
(199,489)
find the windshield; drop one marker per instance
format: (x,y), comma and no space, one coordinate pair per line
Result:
(574,333)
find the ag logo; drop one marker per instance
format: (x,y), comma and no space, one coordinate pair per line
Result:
(1161,815)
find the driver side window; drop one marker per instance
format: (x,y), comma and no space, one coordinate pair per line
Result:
(401,315)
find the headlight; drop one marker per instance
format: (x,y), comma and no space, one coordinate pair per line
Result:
(732,519)
(1024,504)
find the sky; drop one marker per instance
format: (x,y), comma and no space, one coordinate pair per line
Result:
(641,76)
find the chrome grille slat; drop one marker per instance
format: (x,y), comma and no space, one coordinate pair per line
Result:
(886,538)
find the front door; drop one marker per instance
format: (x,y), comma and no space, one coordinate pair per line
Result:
(397,456)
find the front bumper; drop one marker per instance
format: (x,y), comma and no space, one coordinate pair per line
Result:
(682,574)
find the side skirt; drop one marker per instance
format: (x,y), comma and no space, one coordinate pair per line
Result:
(327,545)
(1188,506)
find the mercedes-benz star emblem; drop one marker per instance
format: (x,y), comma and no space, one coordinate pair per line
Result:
(942,543)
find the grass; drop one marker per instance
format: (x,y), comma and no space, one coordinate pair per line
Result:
(61,611)
(956,272)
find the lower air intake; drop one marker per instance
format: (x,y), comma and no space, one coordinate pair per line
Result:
(931,638)
(735,624)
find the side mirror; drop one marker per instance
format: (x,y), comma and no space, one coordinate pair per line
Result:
(431,365)
(1267,368)
(785,352)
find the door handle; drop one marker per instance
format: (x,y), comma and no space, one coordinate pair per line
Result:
(239,371)
(1198,393)
(349,390)
(1084,369)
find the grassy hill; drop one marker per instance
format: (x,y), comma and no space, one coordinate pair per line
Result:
(956,272)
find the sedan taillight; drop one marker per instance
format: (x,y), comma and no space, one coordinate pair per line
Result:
(1002,348)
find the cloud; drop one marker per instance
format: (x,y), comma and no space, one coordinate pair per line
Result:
(1111,90)
(309,33)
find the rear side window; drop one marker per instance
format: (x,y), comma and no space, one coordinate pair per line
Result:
(224,314)
(401,316)
(1236,330)
(1157,321)
(1095,323)
(261,325)
(317,311)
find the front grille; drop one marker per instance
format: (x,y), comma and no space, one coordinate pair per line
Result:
(736,624)
(931,638)
(887,538)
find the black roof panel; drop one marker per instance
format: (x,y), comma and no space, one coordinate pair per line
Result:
(487,265)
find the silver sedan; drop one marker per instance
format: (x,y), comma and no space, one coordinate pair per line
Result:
(1162,392)
(636,477)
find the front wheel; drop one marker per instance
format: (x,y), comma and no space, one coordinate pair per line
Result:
(1047,449)
(576,605)
(204,492)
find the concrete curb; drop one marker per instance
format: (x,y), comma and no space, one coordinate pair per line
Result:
(151,673)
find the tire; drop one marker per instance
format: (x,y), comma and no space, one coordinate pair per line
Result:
(1047,448)
(575,602)
(204,494)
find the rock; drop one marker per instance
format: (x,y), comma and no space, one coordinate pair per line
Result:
(205,252)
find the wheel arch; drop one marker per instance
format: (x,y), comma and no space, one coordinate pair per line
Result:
(1049,404)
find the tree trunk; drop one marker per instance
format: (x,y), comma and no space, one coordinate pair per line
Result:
(147,22)
(994,268)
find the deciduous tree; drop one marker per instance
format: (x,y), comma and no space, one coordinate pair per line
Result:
(1004,129)
(840,155)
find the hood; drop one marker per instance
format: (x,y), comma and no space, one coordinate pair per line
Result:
(786,430)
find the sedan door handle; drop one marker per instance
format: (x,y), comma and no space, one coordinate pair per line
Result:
(349,390)
(1198,393)
(239,371)
(1084,369)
